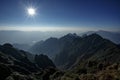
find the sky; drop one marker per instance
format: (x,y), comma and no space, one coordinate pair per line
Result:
(60,15)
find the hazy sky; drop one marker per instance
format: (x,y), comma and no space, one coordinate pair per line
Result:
(60,15)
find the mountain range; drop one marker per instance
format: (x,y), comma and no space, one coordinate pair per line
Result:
(91,47)
(52,46)
(87,57)
(70,47)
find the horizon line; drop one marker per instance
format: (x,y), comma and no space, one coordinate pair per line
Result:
(56,29)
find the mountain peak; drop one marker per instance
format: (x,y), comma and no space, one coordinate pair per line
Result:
(69,36)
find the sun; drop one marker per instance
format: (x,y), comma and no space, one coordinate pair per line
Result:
(31,11)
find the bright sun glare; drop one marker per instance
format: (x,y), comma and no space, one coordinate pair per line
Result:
(31,11)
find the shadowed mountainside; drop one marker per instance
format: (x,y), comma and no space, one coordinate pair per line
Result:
(14,62)
(52,46)
(67,50)
(92,47)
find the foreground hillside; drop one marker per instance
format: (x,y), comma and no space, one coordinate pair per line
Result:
(15,64)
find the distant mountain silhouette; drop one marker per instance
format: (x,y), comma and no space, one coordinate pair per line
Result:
(113,36)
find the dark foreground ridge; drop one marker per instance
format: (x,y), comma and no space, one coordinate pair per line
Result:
(15,64)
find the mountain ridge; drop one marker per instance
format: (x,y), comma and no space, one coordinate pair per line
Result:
(113,36)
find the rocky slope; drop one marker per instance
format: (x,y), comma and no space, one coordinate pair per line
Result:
(15,65)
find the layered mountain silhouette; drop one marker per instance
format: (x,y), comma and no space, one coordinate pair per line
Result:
(52,46)
(90,57)
(66,50)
